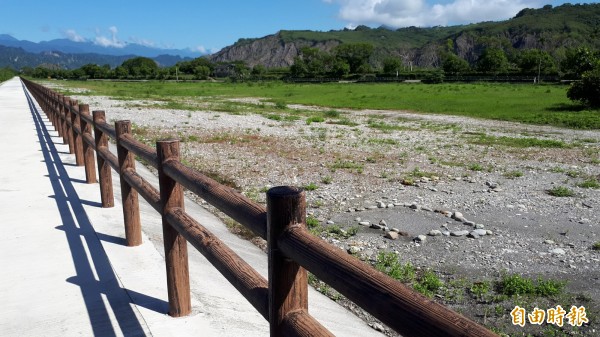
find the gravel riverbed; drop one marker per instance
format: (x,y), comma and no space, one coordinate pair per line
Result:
(452,194)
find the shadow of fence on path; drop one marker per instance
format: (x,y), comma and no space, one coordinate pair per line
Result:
(98,283)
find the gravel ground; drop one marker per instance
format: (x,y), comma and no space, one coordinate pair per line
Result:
(417,177)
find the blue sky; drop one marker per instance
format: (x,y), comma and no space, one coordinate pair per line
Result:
(208,26)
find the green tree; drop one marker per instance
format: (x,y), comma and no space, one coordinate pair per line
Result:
(587,91)
(454,65)
(493,61)
(259,71)
(532,61)
(140,67)
(202,72)
(355,54)
(578,61)
(392,65)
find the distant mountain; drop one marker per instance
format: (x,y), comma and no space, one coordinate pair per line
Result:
(17,58)
(549,28)
(87,47)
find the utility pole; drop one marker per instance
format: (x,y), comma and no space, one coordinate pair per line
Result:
(176,74)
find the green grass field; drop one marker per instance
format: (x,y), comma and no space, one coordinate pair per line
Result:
(525,103)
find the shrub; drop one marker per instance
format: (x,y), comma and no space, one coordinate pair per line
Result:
(561,191)
(587,91)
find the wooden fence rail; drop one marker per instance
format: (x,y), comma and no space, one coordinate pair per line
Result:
(292,251)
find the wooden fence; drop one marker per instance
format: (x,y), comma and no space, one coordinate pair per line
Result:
(282,299)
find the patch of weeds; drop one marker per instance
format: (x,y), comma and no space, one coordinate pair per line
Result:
(314,119)
(332,114)
(480,289)
(348,165)
(515,284)
(343,121)
(561,191)
(572,173)
(337,232)
(513,174)
(518,142)
(310,187)
(549,287)
(385,127)
(312,222)
(417,173)
(589,183)
(281,105)
(596,245)
(274,117)
(429,283)
(326,180)
(383,141)
(557,170)
(389,264)
(476,167)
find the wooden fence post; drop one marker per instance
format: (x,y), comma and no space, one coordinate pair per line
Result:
(129,196)
(59,111)
(288,282)
(77,143)
(68,126)
(176,257)
(88,150)
(106,192)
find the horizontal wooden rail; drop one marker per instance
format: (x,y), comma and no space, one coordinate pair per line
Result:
(396,305)
(240,274)
(109,157)
(141,150)
(145,189)
(229,201)
(300,323)
(292,250)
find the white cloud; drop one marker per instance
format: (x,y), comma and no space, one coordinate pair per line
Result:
(113,41)
(73,36)
(200,49)
(403,13)
(142,42)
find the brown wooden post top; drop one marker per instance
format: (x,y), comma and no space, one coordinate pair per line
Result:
(104,169)
(176,256)
(288,281)
(129,196)
(88,150)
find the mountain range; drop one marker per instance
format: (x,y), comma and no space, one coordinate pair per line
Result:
(552,29)
(69,54)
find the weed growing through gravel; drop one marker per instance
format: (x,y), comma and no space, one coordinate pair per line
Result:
(561,191)
(513,174)
(518,142)
(311,187)
(515,284)
(589,183)
(389,264)
(596,245)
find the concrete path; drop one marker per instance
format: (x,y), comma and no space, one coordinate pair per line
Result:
(65,269)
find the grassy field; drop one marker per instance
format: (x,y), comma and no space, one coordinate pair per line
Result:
(525,103)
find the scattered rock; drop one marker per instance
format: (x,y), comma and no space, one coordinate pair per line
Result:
(420,238)
(479,226)
(459,233)
(354,250)
(435,232)
(549,242)
(480,232)
(557,251)
(365,223)
(392,235)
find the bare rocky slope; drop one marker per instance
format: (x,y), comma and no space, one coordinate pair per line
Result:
(550,29)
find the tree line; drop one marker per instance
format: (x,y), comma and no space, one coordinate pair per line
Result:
(354,61)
